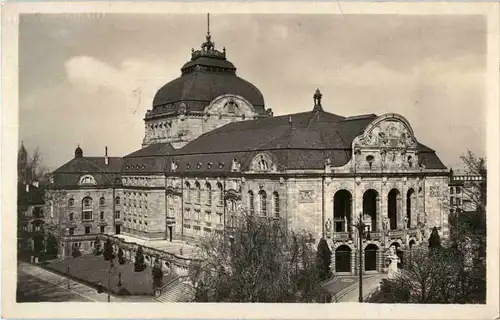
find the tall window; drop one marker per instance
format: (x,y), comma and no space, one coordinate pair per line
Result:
(117,214)
(221,194)
(71,216)
(251,203)
(117,200)
(87,208)
(276,204)
(188,192)
(71,202)
(198,192)
(209,194)
(263,203)
(232,205)
(101,201)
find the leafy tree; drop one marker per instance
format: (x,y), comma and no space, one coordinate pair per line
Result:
(121,257)
(97,247)
(52,247)
(324,260)
(257,260)
(157,273)
(108,250)
(434,239)
(75,252)
(139,264)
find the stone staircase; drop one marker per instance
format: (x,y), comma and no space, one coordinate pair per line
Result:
(179,290)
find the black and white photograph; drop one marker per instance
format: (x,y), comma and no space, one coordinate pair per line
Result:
(287,158)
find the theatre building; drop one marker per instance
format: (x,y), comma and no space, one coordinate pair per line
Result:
(212,149)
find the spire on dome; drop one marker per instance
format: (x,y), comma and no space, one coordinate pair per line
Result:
(208,45)
(317,101)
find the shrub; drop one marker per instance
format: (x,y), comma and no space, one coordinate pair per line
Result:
(121,257)
(323,260)
(75,252)
(97,247)
(139,264)
(108,250)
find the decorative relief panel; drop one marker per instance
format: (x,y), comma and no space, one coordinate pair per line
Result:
(306,196)
(434,191)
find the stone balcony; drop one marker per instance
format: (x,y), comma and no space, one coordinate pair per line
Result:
(342,236)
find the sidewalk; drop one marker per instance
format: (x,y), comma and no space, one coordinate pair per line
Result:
(77,287)
(369,285)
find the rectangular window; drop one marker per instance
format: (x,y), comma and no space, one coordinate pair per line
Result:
(71,216)
(102,215)
(117,214)
(102,229)
(87,215)
(208,217)
(219,215)
(71,231)
(87,230)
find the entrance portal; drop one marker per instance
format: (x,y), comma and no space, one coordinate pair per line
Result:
(343,259)
(371,257)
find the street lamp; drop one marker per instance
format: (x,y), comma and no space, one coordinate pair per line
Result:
(361,227)
(109,279)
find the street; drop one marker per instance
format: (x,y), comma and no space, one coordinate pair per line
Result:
(31,288)
(36,284)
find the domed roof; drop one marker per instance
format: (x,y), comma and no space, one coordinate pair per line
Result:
(206,76)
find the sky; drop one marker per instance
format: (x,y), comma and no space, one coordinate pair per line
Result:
(88,79)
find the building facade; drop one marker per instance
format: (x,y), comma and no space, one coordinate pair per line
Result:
(211,149)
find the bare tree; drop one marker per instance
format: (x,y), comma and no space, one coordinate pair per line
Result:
(256,260)
(36,166)
(435,275)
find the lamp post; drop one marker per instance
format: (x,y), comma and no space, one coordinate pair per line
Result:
(109,279)
(361,227)
(67,265)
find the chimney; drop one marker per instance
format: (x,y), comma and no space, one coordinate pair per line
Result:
(106,160)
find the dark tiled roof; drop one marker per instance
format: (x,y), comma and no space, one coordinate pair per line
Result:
(91,165)
(146,164)
(69,173)
(155,149)
(68,179)
(204,86)
(307,130)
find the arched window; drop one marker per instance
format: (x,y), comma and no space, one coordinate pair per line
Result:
(102,201)
(117,200)
(221,194)
(263,203)
(188,192)
(232,206)
(208,187)
(251,203)
(263,165)
(71,202)
(276,204)
(87,208)
(198,192)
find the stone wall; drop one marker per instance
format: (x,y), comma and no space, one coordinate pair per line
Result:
(60,210)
